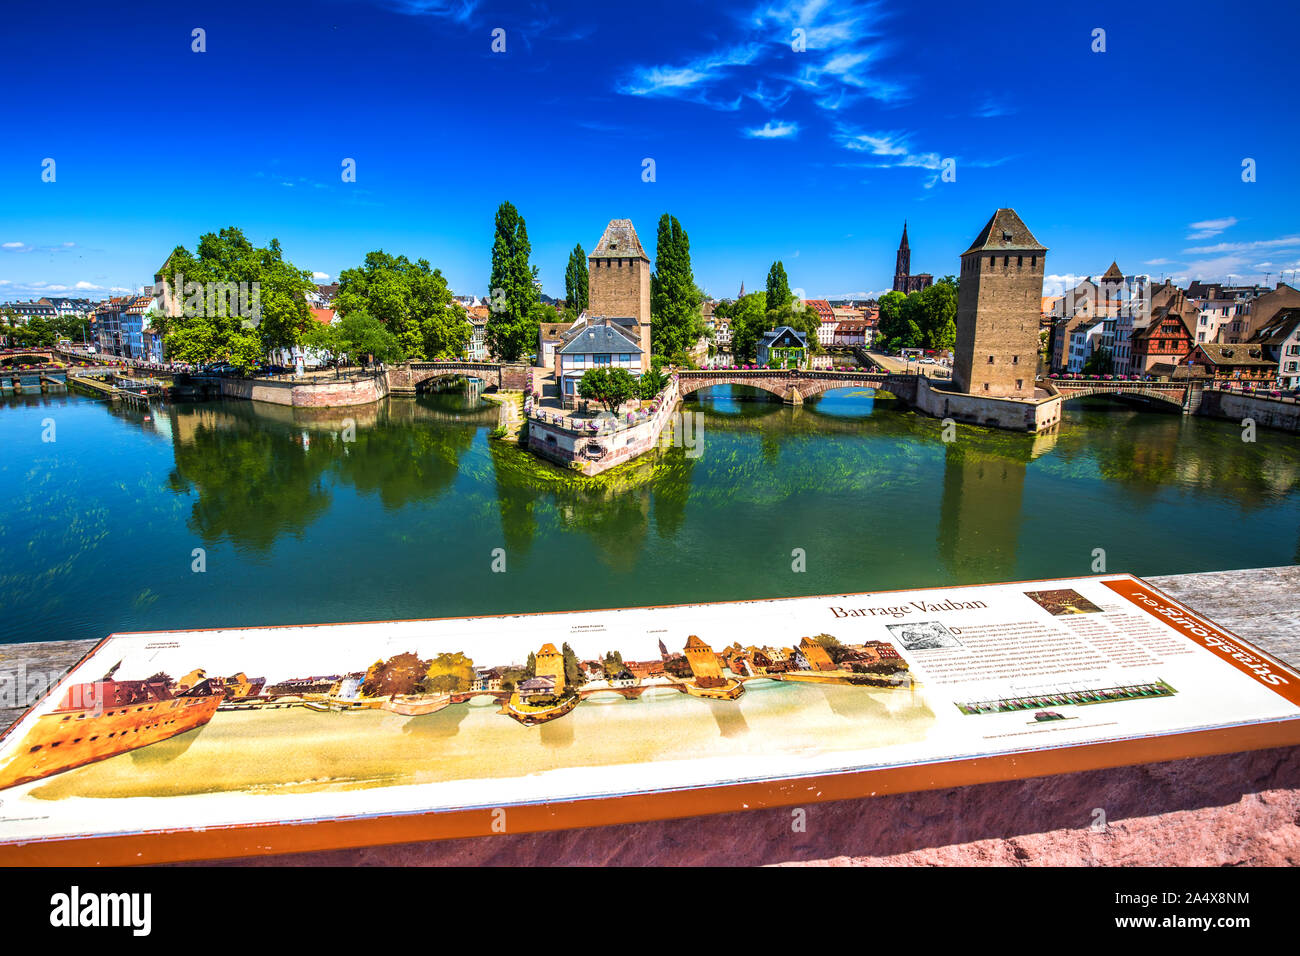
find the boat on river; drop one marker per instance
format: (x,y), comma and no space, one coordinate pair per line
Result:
(531,716)
(101,719)
(415,705)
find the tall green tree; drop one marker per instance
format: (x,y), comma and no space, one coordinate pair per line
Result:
(410,300)
(357,335)
(748,318)
(784,309)
(936,310)
(573,676)
(512,289)
(213,330)
(576,281)
(778,287)
(892,326)
(674,297)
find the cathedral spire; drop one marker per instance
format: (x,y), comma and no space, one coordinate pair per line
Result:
(903,264)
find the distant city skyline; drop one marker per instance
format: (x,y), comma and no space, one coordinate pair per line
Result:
(814,157)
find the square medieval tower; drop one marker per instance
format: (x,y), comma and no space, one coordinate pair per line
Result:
(999,307)
(619,281)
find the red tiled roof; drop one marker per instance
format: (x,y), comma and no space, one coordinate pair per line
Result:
(323,316)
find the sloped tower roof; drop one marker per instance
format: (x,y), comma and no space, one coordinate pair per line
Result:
(1005,231)
(1113,274)
(619,242)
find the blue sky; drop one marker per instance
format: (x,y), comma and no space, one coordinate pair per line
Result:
(814,157)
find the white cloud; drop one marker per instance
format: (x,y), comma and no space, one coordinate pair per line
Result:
(856,296)
(990,108)
(1059,284)
(25,247)
(838,65)
(877,144)
(690,80)
(1158,262)
(459,11)
(1209,228)
(1281,243)
(774,129)
(894,151)
(320,275)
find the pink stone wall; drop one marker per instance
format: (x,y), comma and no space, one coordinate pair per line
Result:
(304,395)
(1231,810)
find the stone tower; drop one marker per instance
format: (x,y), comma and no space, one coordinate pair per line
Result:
(704,663)
(550,663)
(619,281)
(999,307)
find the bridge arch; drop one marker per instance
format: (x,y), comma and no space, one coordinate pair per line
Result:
(1174,397)
(792,386)
(691,386)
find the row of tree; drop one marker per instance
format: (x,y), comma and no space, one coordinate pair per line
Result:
(753,314)
(41,331)
(925,319)
(393,309)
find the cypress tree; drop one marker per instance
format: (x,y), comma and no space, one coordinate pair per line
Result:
(778,287)
(512,293)
(576,281)
(674,297)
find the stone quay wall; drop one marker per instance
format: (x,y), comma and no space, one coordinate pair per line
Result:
(1021,415)
(1234,406)
(323,394)
(399,380)
(573,447)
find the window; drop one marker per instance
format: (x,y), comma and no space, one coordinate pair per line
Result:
(990,359)
(1015,360)
(1020,383)
(986,386)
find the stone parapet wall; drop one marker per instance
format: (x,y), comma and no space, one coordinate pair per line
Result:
(1269,412)
(325,394)
(570,448)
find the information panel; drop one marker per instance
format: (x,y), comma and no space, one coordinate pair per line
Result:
(215,743)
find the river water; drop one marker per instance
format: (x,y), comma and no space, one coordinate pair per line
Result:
(235,513)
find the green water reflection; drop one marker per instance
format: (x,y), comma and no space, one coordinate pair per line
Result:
(394,510)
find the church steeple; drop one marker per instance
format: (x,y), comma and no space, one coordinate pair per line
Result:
(904,281)
(903,263)
(742,289)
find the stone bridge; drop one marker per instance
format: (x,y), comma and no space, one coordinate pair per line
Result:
(792,386)
(406,379)
(13,356)
(1182,395)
